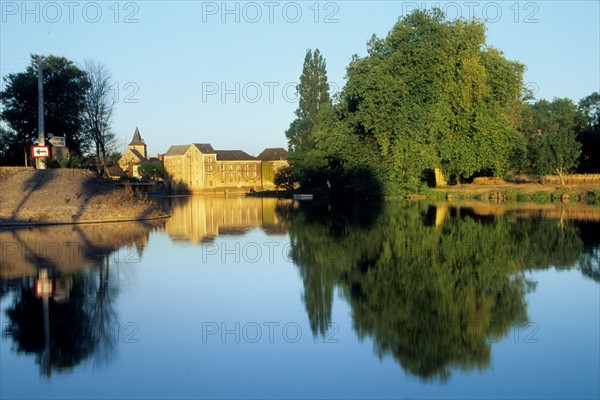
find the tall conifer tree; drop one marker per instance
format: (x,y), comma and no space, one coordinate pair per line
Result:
(313,91)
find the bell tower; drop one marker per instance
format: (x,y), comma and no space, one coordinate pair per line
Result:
(137,143)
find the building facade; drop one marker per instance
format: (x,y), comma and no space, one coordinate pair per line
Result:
(198,167)
(272,160)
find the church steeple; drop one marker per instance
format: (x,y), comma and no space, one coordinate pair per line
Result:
(137,143)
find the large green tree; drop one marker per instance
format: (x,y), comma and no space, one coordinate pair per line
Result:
(551,131)
(432,95)
(65,87)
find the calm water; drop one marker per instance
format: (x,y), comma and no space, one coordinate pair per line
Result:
(258,298)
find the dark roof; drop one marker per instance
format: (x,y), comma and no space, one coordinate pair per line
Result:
(233,155)
(204,148)
(137,139)
(273,154)
(177,150)
(180,149)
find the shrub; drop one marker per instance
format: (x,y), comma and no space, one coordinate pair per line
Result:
(285,178)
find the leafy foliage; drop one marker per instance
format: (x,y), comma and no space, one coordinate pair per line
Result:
(151,170)
(65,88)
(551,131)
(430,95)
(313,91)
(72,160)
(285,178)
(589,133)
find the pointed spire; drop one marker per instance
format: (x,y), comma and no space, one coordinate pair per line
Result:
(137,138)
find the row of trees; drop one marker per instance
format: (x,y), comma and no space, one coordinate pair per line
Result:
(432,100)
(78,104)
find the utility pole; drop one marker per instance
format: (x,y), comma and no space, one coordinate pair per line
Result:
(40,162)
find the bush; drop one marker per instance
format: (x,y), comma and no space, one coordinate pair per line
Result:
(151,170)
(285,178)
(72,160)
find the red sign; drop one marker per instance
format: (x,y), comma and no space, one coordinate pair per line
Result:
(40,151)
(44,287)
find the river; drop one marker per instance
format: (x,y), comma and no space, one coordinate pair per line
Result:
(247,297)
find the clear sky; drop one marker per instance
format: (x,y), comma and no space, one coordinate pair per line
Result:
(224,72)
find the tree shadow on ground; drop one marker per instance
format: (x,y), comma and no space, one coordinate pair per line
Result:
(35,180)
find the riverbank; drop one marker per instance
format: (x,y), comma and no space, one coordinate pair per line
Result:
(276,194)
(68,196)
(526,192)
(498,193)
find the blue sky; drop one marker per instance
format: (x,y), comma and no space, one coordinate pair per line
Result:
(224,72)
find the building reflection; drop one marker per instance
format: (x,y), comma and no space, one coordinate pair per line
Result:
(199,219)
(62,283)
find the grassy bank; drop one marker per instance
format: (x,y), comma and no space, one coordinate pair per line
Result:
(525,192)
(546,189)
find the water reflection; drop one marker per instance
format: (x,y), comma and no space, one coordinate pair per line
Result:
(61,288)
(432,286)
(198,219)
(67,248)
(435,285)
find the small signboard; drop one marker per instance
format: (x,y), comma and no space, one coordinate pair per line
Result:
(57,141)
(40,151)
(44,287)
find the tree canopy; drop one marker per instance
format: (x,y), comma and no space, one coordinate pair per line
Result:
(431,95)
(551,131)
(432,98)
(314,100)
(589,133)
(65,87)
(313,91)
(151,170)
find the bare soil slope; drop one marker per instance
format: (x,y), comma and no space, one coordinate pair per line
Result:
(67,196)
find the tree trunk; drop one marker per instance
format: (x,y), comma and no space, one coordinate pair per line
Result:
(98,164)
(103,158)
(560,176)
(440,180)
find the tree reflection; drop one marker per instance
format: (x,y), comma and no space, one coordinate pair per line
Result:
(589,261)
(432,286)
(78,323)
(63,311)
